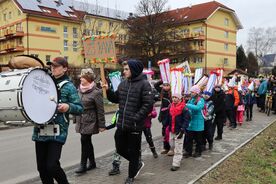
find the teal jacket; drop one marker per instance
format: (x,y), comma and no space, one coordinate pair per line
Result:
(67,94)
(262,88)
(197,122)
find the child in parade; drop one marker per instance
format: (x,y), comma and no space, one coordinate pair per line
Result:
(147,131)
(240,109)
(209,116)
(177,121)
(196,125)
(250,100)
(165,96)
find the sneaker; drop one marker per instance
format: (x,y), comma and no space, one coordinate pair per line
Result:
(170,153)
(155,155)
(114,171)
(140,167)
(174,168)
(218,138)
(197,154)
(187,155)
(163,152)
(129,180)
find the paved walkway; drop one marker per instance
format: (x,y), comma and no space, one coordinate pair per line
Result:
(157,171)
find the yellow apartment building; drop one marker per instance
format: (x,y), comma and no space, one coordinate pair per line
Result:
(210,29)
(47,29)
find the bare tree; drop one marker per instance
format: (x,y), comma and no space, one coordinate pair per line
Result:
(261,41)
(152,33)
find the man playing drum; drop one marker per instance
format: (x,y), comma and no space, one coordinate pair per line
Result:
(50,138)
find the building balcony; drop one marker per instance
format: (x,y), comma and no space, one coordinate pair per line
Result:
(8,48)
(194,36)
(9,33)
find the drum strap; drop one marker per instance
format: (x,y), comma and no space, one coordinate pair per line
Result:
(60,85)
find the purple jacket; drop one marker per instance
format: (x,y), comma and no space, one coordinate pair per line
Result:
(151,115)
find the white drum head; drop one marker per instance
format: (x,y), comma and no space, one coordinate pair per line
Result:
(39,96)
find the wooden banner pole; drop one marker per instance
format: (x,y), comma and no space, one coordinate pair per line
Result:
(103,78)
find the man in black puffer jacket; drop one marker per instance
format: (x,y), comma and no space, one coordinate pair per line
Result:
(135,99)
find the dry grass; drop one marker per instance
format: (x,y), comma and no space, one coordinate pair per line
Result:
(253,164)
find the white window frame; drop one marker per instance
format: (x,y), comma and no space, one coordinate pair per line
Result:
(65,46)
(75,32)
(75,46)
(225,61)
(65,33)
(226,34)
(226,46)
(226,22)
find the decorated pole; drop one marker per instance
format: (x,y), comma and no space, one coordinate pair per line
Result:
(164,66)
(212,81)
(177,81)
(100,50)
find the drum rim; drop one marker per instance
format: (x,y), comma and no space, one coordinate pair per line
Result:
(58,96)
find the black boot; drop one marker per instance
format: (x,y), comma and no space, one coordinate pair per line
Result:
(219,137)
(115,170)
(82,168)
(155,155)
(91,165)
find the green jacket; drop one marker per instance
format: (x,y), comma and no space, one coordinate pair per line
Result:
(67,94)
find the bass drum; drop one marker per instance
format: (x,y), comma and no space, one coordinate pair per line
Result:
(27,95)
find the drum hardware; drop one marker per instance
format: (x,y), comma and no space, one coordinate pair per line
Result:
(16,122)
(49,130)
(11,108)
(53,99)
(15,89)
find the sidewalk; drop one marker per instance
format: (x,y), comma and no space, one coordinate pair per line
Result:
(157,171)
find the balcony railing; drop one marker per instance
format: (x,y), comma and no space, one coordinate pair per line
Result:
(11,32)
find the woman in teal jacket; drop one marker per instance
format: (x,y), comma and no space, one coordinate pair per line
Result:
(48,146)
(196,125)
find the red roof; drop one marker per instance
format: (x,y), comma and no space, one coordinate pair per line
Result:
(196,12)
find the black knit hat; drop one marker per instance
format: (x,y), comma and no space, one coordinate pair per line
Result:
(136,67)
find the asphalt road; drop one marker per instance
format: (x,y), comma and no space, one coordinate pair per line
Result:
(17,153)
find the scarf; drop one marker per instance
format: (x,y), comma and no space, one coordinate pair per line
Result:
(175,110)
(83,88)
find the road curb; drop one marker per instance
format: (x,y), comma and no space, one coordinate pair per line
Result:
(229,154)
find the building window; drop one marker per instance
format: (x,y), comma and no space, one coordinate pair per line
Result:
(226,22)
(10,15)
(48,58)
(65,32)
(226,46)
(226,34)
(225,61)
(75,46)
(5,17)
(65,45)
(111,24)
(75,32)
(100,24)
(18,12)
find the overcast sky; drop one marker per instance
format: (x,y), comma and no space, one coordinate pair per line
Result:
(252,13)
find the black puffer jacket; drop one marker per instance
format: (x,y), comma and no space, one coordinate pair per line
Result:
(135,103)
(218,99)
